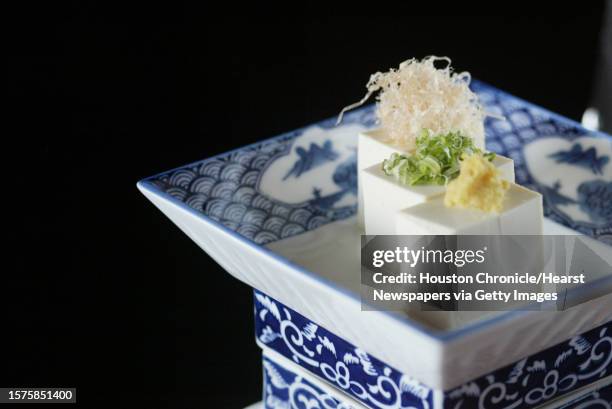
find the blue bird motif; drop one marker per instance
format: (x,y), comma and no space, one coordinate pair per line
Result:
(584,158)
(311,158)
(345,177)
(325,202)
(554,197)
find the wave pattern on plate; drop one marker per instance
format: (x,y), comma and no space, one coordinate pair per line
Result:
(225,188)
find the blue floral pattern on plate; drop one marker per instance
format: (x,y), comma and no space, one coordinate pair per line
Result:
(343,365)
(526,384)
(285,389)
(303,179)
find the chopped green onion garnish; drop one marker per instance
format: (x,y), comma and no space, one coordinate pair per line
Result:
(435,161)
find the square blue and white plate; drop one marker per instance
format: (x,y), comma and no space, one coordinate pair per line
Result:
(279,215)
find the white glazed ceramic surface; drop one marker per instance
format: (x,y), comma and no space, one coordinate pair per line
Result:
(278,215)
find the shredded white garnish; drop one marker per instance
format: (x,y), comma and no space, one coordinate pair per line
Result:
(419,96)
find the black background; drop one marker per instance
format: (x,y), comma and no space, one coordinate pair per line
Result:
(103,292)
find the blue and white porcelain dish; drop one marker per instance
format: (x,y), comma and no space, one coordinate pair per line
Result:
(583,360)
(279,215)
(286,386)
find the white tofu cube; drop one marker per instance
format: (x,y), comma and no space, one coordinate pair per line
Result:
(505,167)
(374,147)
(522,214)
(384,197)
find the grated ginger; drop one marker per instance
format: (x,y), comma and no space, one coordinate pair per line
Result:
(478,185)
(418,96)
